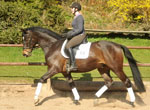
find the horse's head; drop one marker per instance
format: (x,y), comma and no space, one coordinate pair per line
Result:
(29,42)
(34,35)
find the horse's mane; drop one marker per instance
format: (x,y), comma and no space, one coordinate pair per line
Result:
(47,31)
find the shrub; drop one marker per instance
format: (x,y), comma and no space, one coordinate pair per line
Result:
(26,13)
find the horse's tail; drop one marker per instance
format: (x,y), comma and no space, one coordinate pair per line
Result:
(134,68)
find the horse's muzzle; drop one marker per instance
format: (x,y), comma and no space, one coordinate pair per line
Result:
(26,52)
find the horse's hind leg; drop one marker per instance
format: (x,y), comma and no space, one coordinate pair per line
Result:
(127,83)
(105,72)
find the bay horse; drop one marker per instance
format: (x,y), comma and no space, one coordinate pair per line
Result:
(103,56)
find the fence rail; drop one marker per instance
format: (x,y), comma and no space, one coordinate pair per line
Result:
(115,31)
(44,64)
(22,63)
(21,45)
(11,45)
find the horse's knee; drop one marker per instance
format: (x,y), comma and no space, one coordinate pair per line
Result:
(127,83)
(44,78)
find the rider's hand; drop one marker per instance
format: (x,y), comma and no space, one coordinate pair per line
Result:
(64,35)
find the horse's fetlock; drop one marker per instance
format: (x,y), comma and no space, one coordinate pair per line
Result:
(128,83)
(41,80)
(108,84)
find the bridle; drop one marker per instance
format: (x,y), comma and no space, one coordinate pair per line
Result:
(29,44)
(27,48)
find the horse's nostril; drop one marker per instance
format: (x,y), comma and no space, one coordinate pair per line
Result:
(25,55)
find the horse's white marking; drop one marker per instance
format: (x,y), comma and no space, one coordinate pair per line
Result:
(76,94)
(38,90)
(131,94)
(101,91)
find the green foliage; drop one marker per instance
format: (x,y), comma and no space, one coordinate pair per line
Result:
(26,13)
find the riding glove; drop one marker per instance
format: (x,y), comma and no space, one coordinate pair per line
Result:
(64,35)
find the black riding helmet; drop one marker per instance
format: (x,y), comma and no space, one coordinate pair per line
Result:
(76,5)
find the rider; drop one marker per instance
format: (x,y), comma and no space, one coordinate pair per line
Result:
(76,35)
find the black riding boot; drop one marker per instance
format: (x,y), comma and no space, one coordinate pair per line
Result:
(72,62)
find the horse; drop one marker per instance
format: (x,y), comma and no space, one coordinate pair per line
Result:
(105,56)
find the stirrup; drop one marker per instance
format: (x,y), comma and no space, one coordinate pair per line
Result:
(71,68)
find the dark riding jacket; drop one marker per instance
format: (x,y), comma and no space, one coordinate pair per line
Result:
(78,27)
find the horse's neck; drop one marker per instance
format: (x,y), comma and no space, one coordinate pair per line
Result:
(45,41)
(49,46)
(45,45)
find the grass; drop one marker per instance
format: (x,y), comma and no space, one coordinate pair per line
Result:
(26,74)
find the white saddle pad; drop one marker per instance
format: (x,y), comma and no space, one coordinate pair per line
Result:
(81,53)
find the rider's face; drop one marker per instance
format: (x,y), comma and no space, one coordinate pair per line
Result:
(73,10)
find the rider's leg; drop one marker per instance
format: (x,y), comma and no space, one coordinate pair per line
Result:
(72,43)
(72,60)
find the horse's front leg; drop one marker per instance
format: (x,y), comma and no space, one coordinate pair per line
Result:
(39,86)
(73,88)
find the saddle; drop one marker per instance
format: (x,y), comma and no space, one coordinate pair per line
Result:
(81,51)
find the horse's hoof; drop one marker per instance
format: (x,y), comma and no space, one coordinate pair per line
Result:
(132,104)
(96,102)
(76,102)
(36,102)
